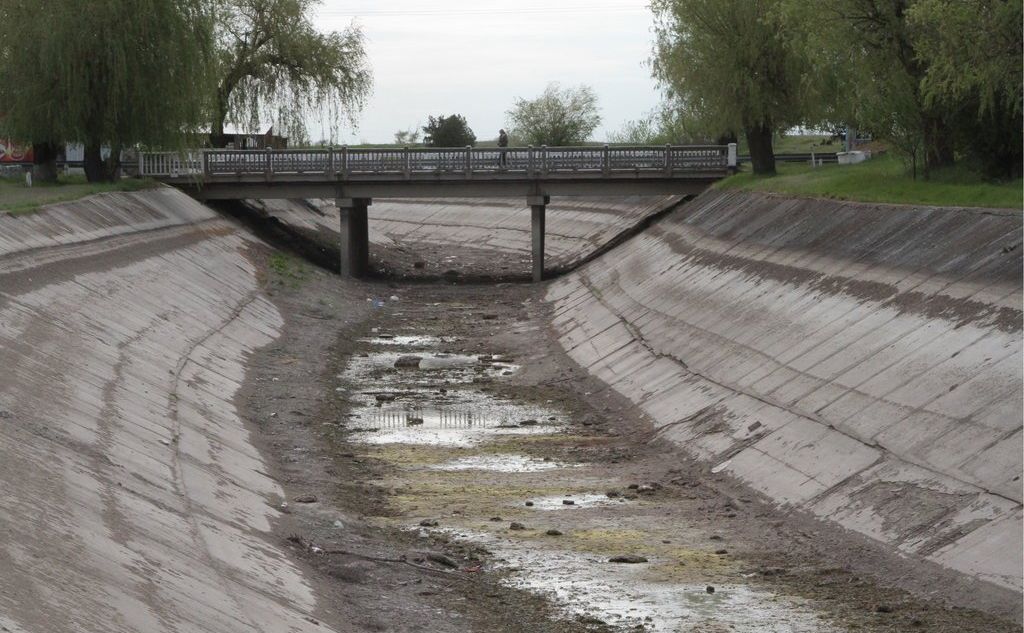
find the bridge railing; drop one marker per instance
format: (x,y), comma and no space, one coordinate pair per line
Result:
(347,162)
(172,164)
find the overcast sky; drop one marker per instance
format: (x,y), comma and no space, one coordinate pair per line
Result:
(475,57)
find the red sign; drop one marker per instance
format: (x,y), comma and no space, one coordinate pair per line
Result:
(11,152)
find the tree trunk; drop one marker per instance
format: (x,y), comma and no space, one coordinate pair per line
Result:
(759,142)
(93,162)
(217,138)
(112,166)
(220,114)
(44,162)
(938,145)
(725,139)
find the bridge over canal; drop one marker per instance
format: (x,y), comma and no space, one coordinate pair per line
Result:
(354,176)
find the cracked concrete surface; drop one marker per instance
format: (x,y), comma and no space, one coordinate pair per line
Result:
(860,363)
(863,362)
(132,498)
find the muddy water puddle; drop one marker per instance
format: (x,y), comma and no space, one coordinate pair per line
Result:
(574,502)
(633,597)
(500,464)
(407,340)
(434,398)
(461,424)
(624,596)
(485,465)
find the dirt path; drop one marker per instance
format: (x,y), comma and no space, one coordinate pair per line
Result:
(488,485)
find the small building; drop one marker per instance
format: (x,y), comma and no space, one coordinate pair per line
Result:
(240,140)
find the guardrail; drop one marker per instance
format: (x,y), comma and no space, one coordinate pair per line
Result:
(822,157)
(346,162)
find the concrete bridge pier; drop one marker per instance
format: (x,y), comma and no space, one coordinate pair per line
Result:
(538,206)
(355,236)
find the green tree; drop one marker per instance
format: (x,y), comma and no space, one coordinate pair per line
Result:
(661,127)
(111,74)
(867,51)
(273,64)
(407,137)
(448,131)
(558,117)
(979,83)
(729,67)
(643,131)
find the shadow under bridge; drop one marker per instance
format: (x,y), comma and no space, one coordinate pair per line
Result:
(354,176)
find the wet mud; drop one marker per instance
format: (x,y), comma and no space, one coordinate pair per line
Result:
(469,477)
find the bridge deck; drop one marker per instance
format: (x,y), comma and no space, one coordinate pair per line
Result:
(354,176)
(359,172)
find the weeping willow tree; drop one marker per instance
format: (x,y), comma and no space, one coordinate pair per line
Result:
(114,73)
(728,65)
(272,64)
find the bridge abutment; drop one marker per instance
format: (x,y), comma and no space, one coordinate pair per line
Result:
(354,236)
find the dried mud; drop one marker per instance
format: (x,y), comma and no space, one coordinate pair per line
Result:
(444,505)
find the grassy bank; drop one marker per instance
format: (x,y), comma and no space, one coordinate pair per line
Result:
(17,198)
(883,179)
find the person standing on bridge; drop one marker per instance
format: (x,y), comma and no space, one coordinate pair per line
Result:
(502,148)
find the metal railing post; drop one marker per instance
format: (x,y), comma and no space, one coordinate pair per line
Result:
(269,170)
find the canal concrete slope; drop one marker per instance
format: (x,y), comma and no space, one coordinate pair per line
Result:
(132,498)
(859,362)
(576,228)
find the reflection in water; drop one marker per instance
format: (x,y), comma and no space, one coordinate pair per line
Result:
(631,597)
(474,417)
(429,418)
(496,415)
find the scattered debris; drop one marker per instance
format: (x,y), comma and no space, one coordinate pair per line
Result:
(629,559)
(408,362)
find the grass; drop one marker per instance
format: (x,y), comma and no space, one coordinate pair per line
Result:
(883,179)
(289,270)
(16,198)
(797,144)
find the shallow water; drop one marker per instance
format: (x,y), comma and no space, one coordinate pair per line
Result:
(623,595)
(408,341)
(443,402)
(436,403)
(458,425)
(578,501)
(500,464)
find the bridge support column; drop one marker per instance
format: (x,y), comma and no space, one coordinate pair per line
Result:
(355,236)
(538,206)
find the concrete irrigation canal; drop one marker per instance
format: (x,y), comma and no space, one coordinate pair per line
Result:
(733,413)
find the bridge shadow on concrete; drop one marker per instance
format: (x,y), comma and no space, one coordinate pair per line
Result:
(418,262)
